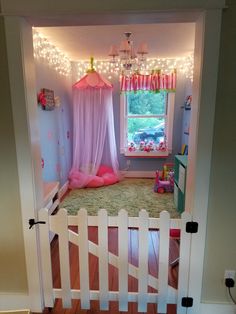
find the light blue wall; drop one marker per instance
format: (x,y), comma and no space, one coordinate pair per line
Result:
(149,164)
(55,126)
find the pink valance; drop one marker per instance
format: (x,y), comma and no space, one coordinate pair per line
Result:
(152,82)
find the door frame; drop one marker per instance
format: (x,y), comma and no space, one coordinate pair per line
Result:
(23,93)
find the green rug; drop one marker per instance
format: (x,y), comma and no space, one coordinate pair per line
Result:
(130,194)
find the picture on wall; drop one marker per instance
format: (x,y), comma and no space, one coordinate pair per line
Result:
(188,102)
(46,99)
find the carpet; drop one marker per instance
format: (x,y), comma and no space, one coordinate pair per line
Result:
(131,194)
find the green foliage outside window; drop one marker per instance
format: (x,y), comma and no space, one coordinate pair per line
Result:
(144,103)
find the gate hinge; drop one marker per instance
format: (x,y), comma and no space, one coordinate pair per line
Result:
(191,227)
(32,222)
(187,302)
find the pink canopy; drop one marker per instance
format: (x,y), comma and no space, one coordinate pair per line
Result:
(94,80)
(94,147)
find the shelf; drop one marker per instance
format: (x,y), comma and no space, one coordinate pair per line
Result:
(180,181)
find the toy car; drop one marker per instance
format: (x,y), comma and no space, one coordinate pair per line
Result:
(164,186)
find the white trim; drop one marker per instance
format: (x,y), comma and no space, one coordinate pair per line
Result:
(122,123)
(14,301)
(63,190)
(138,174)
(24,108)
(207,43)
(170,120)
(158,154)
(211,308)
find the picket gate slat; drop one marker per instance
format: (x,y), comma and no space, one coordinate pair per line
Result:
(123,259)
(46,258)
(163,262)
(103,259)
(143,261)
(184,259)
(132,270)
(83,258)
(61,220)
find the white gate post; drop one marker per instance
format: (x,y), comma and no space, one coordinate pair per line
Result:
(103,259)
(143,261)
(83,258)
(123,259)
(44,234)
(163,262)
(63,233)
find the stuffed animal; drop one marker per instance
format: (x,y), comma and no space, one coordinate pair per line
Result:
(142,146)
(131,147)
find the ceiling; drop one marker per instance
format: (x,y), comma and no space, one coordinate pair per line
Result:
(166,40)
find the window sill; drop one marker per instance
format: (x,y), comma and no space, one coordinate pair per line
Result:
(142,154)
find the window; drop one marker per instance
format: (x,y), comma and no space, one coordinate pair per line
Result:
(146,123)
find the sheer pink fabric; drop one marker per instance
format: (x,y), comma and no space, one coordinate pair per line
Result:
(93,137)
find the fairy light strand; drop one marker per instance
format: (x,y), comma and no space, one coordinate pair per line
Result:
(57,59)
(112,70)
(43,49)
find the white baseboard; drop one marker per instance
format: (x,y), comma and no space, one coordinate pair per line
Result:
(213,308)
(138,174)
(14,301)
(62,191)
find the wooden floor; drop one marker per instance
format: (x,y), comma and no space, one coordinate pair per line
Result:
(113,273)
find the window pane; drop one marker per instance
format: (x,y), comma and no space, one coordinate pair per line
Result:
(146,103)
(146,129)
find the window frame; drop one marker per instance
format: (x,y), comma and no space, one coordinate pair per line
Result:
(169,117)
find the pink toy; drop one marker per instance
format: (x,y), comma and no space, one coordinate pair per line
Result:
(162,186)
(132,147)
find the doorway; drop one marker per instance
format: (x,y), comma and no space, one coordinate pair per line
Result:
(197,194)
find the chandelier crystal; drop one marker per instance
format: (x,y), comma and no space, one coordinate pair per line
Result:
(129,62)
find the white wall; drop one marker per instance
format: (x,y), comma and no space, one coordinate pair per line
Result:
(221,228)
(12,259)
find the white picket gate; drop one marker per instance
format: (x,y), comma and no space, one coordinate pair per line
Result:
(165,294)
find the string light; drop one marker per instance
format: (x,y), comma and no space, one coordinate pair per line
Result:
(166,65)
(43,49)
(63,65)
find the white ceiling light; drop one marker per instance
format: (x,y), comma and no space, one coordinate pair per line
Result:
(129,62)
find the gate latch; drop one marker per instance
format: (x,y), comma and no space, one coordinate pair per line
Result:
(32,222)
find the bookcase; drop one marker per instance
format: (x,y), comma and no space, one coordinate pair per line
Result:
(180,181)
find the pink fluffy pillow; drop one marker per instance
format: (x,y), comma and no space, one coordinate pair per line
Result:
(104,169)
(109,178)
(95,182)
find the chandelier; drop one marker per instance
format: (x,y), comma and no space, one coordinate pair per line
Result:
(129,61)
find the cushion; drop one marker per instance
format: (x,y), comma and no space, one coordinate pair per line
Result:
(104,169)
(95,182)
(109,178)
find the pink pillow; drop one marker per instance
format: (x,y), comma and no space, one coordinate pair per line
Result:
(109,178)
(95,182)
(74,183)
(104,169)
